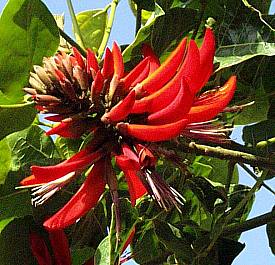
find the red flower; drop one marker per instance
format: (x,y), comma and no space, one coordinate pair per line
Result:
(125,112)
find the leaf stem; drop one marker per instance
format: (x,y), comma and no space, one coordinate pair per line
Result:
(75,24)
(72,42)
(250,224)
(108,28)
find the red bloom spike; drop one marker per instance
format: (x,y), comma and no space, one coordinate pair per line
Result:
(118,61)
(222,97)
(120,111)
(165,72)
(82,201)
(75,163)
(79,58)
(72,129)
(176,109)
(153,133)
(140,72)
(108,65)
(39,249)
(130,167)
(207,52)
(91,61)
(60,247)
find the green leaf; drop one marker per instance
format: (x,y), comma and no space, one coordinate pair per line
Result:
(28,32)
(92,25)
(5,160)
(31,146)
(14,243)
(174,241)
(80,255)
(256,112)
(229,55)
(15,118)
(205,191)
(9,209)
(213,168)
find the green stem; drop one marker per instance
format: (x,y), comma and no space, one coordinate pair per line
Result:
(250,224)
(72,42)
(108,28)
(138,18)
(75,24)
(250,172)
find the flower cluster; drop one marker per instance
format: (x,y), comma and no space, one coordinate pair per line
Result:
(124,112)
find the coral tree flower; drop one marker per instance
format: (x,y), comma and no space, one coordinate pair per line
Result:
(124,112)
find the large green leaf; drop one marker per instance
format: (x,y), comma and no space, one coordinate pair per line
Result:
(9,207)
(15,118)
(5,160)
(31,146)
(92,25)
(28,32)
(229,55)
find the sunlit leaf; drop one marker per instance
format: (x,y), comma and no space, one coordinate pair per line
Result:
(92,25)
(28,32)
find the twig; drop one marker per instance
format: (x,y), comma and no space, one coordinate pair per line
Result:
(250,224)
(250,172)
(231,167)
(108,28)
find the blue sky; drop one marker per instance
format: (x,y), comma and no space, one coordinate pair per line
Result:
(257,251)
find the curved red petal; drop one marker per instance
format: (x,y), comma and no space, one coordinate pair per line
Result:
(83,200)
(118,61)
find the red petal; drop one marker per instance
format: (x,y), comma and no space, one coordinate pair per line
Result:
(118,61)
(130,167)
(46,174)
(83,200)
(108,65)
(72,129)
(136,75)
(91,61)
(166,71)
(147,51)
(176,109)
(153,133)
(207,52)
(120,111)
(220,100)
(60,247)
(40,249)
(79,58)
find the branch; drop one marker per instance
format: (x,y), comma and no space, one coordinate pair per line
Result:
(228,154)
(250,224)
